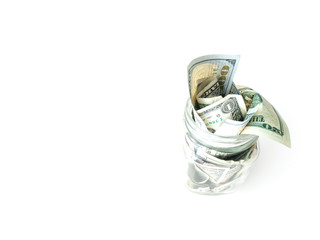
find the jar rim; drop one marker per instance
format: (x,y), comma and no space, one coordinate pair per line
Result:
(235,143)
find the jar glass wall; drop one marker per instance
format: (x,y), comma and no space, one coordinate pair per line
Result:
(216,164)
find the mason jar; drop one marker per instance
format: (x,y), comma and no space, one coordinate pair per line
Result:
(216,164)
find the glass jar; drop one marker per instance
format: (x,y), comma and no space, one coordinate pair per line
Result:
(216,164)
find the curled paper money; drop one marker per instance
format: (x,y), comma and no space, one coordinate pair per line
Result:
(211,68)
(262,119)
(227,110)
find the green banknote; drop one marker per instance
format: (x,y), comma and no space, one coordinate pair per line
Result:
(216,70)
(266,121)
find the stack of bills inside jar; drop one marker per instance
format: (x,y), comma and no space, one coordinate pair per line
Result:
(226,109)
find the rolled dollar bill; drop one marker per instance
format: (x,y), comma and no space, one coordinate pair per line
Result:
(262,119)
(221,67)
(231,127)
(266,122)
(212,89)
(230,107)
(209,94)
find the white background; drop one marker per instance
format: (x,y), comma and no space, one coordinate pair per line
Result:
(91,102)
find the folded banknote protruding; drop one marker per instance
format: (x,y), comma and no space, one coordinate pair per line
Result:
(211,68)
(227,110)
